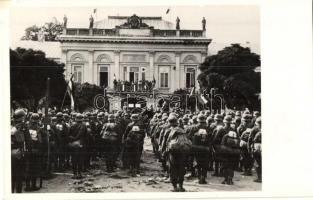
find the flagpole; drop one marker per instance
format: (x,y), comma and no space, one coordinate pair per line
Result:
(46,125)
(64,96)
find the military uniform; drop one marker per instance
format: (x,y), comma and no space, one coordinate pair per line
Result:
(111,140)
(20,145)
(35,162)
(62,140)
(133,139)
(202,142)
(77,140)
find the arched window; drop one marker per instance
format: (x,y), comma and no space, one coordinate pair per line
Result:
(77,61)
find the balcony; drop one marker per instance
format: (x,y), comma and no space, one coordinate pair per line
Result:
(115,32)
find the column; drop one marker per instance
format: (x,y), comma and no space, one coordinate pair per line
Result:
(116,70)
(177,71)
(150,71)
(89,70)
(67,69)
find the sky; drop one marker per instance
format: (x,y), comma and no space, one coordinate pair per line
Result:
(225,24)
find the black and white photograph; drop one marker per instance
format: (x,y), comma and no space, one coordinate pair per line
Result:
(135,99)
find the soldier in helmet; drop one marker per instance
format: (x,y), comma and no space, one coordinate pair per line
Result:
(111,137)
(35,157)
(77,137)
(202,140)
(133,139)
(218,134)
(62,140)
(257,155)
(176,158)
(20,145)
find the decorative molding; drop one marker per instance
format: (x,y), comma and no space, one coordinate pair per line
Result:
(77,57)
(104,58)
(164,59)
(190,59)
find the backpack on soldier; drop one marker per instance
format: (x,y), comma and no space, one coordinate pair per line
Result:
(109,134)
(134,136)
(180,143)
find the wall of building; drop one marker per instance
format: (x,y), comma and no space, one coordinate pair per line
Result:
(117,56)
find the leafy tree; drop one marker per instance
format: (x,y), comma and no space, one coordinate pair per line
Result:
(231,71)
(50,30)
(29,70)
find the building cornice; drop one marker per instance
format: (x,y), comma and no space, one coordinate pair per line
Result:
(136,40)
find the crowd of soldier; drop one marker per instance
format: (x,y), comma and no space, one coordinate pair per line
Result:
(220,142)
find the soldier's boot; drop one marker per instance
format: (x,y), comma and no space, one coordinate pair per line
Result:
(175,189)
(34,187)
(27,181)
(204,175)
(216,169)
(259,175)
(181,188)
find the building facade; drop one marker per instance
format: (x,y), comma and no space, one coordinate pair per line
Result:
(133,50)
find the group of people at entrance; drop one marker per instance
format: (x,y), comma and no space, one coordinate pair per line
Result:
(183,143)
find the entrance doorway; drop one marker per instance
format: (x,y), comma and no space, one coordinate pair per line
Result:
(104,76)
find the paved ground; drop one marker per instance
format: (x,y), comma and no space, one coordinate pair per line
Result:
(150,180)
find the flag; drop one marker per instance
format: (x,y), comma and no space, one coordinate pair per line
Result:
(192,90)
(204,99)
(70,91)
(168,10)
(95,10)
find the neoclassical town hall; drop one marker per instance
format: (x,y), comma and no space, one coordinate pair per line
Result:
(134,49)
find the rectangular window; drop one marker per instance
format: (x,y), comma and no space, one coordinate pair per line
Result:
(190,77)
(78,73)
(133,74)
(164,75)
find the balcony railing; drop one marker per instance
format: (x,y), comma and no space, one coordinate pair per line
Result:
(115,32)
(164,33)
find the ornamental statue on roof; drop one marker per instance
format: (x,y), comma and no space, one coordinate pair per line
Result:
(134,22)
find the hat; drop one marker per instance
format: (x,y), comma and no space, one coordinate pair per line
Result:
(134,117)
(209,119)
(79,117)
(185,118)
(218,117)
(111,116)
(227,119)
(19,114)
(34,117)
(100,115)
(256,113)
(258,121)
(207,113)
(232,134)
(53,119)
(238,114)
(201,118)
(246,117)
(172,119)
(194,119)
(59,115)
(135,129)
(66,116)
